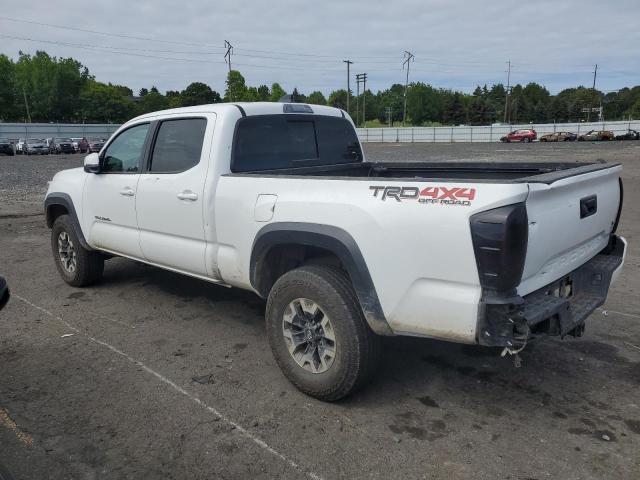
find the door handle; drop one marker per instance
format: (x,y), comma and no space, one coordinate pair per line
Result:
(188,195)
(127,192)
(588,206)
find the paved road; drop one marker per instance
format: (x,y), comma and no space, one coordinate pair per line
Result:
(154,375)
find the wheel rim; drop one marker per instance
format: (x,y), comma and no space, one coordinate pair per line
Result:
(66,252)
(309,335)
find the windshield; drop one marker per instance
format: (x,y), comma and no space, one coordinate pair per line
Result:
(63,139)
(35,140)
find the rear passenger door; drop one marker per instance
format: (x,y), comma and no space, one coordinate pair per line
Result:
(170,203)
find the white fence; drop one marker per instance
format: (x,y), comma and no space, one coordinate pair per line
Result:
(48,130)
(490,133)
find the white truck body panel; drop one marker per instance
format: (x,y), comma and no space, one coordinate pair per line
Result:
(420,255)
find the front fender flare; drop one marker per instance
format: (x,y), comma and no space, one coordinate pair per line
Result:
(63,199)
(327,237)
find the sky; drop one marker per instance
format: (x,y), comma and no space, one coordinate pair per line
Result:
(456,45)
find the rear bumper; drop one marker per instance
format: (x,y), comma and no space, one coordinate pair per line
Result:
(557,309)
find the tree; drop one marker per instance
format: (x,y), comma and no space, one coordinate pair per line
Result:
(297,97)
(236,88)
(198,93)
(338,99)
(263,93)
(316,98)
(277,92)
(104,103)
(152,102)
(8,94)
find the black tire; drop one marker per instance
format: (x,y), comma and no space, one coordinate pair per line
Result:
(543,139)
(89,265)
(357,348)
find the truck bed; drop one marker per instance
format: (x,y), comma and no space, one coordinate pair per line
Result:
(494,172)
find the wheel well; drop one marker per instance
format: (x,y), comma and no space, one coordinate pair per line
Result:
(282,258)
(54,211)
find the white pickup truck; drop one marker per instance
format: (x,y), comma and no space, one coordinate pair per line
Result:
(278,199)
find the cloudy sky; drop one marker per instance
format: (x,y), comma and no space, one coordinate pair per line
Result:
(302,44)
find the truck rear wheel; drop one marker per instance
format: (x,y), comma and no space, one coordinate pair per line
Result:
(318,334)
(78,266)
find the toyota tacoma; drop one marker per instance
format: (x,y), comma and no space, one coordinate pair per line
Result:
(279,199)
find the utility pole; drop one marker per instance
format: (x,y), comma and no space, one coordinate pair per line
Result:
(26,104)
(227,56)
(364,99)
(360,78)
(408,57)
(348,62)
(506,98)
(357,99)
(593,89)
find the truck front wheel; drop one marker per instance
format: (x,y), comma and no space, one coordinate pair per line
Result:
(78,266)
(318,334)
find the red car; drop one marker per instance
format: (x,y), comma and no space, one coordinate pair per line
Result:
(526,135)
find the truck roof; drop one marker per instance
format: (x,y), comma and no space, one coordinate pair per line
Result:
(250,108)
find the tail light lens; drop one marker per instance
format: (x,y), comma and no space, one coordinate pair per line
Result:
(500,239)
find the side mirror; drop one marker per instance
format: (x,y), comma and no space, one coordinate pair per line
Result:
(92,163)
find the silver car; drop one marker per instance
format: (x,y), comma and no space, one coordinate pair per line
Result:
(37,146)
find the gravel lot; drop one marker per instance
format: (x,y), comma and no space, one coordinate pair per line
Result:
(155,375)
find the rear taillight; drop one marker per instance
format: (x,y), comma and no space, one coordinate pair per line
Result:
(500,239)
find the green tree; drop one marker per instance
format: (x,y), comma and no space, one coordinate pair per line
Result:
(316,98)
(236,87)
(8,93)
(263,93)
(104,103)
(338,99)
(152,102)
(198,93)
(277,92)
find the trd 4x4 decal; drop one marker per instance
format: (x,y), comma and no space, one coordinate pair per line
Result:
(438,195)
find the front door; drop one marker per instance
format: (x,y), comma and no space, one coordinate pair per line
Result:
(170,199)
(109,203)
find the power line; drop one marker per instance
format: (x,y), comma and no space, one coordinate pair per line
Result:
(227,56)
(506,98)
(593,90)
(348,62)
(108,34)
(408,58)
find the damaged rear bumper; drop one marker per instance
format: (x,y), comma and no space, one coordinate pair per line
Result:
(557,309)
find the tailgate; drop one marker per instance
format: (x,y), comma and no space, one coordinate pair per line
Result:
(570,221)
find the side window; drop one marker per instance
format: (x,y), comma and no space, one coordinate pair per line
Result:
(124,154)
(178,145)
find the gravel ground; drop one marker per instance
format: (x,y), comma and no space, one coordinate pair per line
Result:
(155,375)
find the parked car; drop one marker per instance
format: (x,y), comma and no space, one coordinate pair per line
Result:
(280,201)
(76,144)
(50,144)
(630,135)
(63,145)
(36,146)
(596,136)
(94,145)
(7,146)
(559,137)
(524,135)
(20,146)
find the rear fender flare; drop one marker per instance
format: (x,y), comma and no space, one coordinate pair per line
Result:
(330,238)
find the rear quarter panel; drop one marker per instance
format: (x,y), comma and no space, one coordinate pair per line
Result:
(420,255)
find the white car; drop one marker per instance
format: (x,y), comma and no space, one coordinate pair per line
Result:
(279,199)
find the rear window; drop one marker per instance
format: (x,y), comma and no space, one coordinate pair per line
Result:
(265,142)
